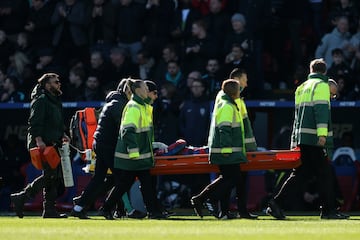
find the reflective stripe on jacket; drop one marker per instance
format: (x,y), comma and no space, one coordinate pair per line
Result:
(250,141)
(312,112)
(227,136)
(134,145)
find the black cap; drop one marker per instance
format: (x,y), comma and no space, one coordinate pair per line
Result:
(151,85)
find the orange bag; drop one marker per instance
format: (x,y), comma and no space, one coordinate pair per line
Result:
(36,158)
(49,155)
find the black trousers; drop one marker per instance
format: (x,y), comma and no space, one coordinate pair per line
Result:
(231,177)
(314,163)
(100,182)
(49,181)
(124,179)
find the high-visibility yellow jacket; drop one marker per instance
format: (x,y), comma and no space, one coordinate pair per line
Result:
(226,143)
(250,141)
(312,112)
(134,145)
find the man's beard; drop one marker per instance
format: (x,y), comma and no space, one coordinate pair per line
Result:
(55,91)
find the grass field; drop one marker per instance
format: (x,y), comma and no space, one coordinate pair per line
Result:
(179,227)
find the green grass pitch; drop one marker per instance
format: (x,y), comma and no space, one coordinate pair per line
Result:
(179,227)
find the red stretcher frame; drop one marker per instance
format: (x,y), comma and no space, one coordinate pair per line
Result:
(199,163)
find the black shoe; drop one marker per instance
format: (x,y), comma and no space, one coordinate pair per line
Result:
(119,214)
(168,213)
(247,215)
(212,208)
(137,214)
(18,200)
(106,214)
(53,214)
(157,215)
(197,205)
(275,211)
(226,216)
(334,215)
(79,214)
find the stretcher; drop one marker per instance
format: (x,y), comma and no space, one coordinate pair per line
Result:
(199,163)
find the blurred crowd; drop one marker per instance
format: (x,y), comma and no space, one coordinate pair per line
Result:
(92,44)
(187,47)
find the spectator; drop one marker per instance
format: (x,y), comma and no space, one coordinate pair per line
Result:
(236,58)
(166,114)
(355,64)
(38,25)
(174,75)
(345,93)
(315,17)
(338,38)
(186,88)
(76,85)
(200,48)
(355,38)
(93,91)
(184,17)
(345,8)
(195,115)
(257,23)
(24,45)
(145,64)
(212,77)
(339,67)
(130,20)
(13,16)
(17,67)
(120,66)
(158,25)
(168,53)
(238,34)
(46,62)
(102,24)
(218,23)
(11,94)
(70,38)
(6,49)
(100,68)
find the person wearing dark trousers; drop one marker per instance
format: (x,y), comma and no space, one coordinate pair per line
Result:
(250,144)
(227,150)
(133,152)
(105,138)
(46,128)
(313,135)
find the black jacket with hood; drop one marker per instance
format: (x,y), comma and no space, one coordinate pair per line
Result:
(46,118)
(109,120)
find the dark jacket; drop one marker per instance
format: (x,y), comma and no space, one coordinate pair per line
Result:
(130,23)
(195,121)
(75,20)
(46,118)
(107,130)
(43,31)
